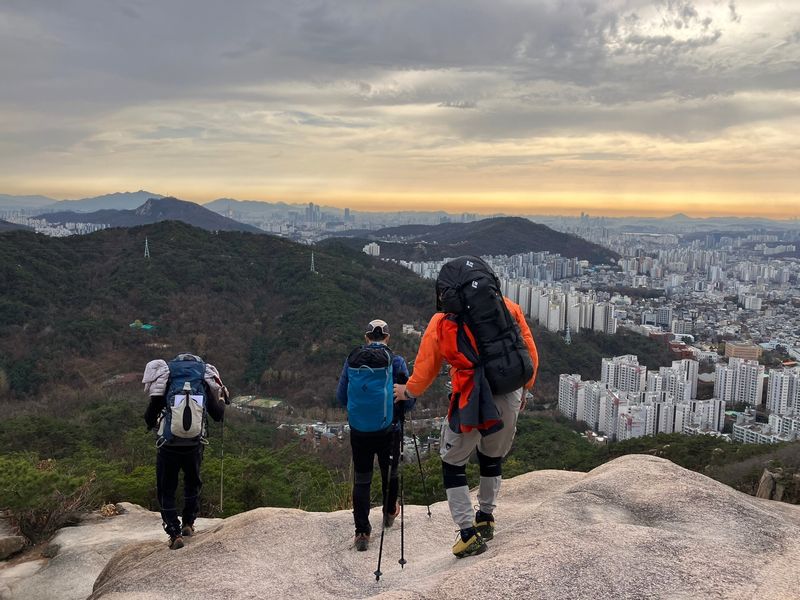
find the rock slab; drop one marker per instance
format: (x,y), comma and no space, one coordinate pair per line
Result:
(639,527)
(79,554)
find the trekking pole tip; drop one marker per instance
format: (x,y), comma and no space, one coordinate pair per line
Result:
(402,562)
(378,575)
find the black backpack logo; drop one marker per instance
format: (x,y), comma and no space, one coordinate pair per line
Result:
(468,288)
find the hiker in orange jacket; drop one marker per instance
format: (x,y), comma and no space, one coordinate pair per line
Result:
(439,343)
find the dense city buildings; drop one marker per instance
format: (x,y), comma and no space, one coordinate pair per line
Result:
(728,300)
(631,402)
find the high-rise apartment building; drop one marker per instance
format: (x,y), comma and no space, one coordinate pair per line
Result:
(783,391)
(691,369)
(741,381)
(570,393)
(624,373)
(664,316)
(708,415)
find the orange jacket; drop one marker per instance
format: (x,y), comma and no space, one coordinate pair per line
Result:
(429,358)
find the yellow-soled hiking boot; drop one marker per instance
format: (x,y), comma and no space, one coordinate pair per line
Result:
(468,543)
(484,524)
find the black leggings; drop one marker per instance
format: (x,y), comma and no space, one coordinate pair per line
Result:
(365,446)
(170,462)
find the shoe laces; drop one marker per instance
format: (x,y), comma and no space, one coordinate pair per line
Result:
(472,530)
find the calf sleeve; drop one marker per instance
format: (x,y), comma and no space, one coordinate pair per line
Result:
(490,466)
(454,475)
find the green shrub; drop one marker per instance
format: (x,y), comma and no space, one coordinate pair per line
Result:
(40,496)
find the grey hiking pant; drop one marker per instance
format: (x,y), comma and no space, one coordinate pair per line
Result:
(456,448)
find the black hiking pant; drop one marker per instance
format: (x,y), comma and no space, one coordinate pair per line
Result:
(170,462)
(386,445)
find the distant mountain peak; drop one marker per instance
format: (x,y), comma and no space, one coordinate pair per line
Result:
(153,206)
(153,210)
(491,236)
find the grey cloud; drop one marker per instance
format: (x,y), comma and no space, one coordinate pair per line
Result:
(677,120)
(91,58)
(638,43)
(457,104)
(129,10)
(733,13)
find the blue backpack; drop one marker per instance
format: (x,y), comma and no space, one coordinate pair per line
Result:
(183,422)
(370,389)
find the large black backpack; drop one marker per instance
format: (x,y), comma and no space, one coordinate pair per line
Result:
(468,287)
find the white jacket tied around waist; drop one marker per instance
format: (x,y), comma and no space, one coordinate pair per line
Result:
(156,376)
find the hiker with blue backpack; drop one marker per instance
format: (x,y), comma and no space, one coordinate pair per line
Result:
(488,345)
(182,392)
(366,390)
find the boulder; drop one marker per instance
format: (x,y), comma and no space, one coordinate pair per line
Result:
(78,554)
(637,527)
(10,544)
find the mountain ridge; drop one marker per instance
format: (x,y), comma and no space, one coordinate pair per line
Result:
(248,302)
(152,211)
(494,236)
(115,201)
(6,226)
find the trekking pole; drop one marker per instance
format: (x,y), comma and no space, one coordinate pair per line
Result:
(391,470)
(380,554)
(222,463)
(402,560)
(227,400)
(421,472)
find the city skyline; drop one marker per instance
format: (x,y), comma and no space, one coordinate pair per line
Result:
(623,108)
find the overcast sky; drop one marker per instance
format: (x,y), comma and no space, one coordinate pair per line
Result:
(608,106)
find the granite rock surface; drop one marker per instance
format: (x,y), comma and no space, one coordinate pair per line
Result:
(637,527)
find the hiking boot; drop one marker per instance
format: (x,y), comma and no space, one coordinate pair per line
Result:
(388,518)
(362,541)
(484,524)
(175,542)
(469,542)
(187,531)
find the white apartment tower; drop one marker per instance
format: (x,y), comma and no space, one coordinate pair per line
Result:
(604,320)
(742,381)
(611,402)
(624,373)
(708,414)
(372,249)
(692,370)
(783,392)
(570,394)
(555,315)
(593,394)
(632,421)
(679,380)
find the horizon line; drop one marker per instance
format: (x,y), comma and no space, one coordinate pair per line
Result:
(574,213)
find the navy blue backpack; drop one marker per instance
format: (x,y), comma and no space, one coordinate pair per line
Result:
(183,422)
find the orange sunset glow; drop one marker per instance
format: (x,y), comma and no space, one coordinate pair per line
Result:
(631,108)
